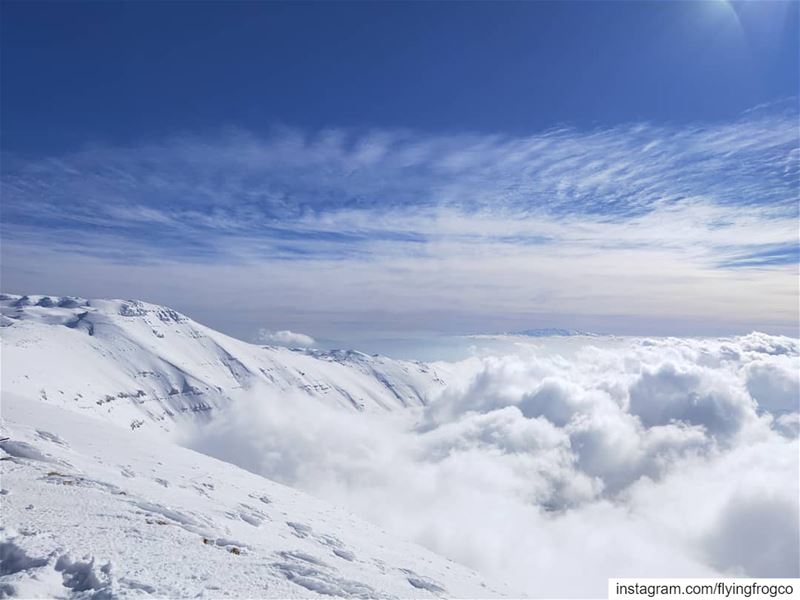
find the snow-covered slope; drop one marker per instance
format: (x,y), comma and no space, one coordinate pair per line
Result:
(97,502)
(92,510)
(145,365)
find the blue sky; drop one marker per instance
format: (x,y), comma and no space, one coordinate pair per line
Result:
(122,72)
(359,171)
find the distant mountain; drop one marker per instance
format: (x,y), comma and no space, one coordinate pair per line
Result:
(551,332)
(145,365)
(544,332)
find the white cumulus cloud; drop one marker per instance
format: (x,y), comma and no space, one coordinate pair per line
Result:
(558,464)
(286,338)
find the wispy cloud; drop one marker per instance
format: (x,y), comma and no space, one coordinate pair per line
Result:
(766,256)
(688,221)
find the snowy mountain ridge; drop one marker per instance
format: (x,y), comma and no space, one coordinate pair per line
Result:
(97,500)
(145,365)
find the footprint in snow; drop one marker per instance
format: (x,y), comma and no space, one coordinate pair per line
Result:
(423,583)
(314,575)
(137,585)
(250,515)
(345,554)
(299,529)
(263,498)
(336,546)
(51,437)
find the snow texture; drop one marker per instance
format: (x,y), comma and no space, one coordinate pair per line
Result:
(101,525)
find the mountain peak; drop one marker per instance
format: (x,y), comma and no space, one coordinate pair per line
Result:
(148,366)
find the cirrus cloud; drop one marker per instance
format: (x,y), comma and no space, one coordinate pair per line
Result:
(638,228)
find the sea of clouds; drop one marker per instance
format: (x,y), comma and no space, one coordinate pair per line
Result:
(555,464)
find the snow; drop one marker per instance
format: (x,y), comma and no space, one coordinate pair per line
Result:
(97,511)
(508,461)
(98,501)
(143,365)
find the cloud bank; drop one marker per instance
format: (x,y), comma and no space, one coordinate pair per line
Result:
(633,229)
(558,464)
